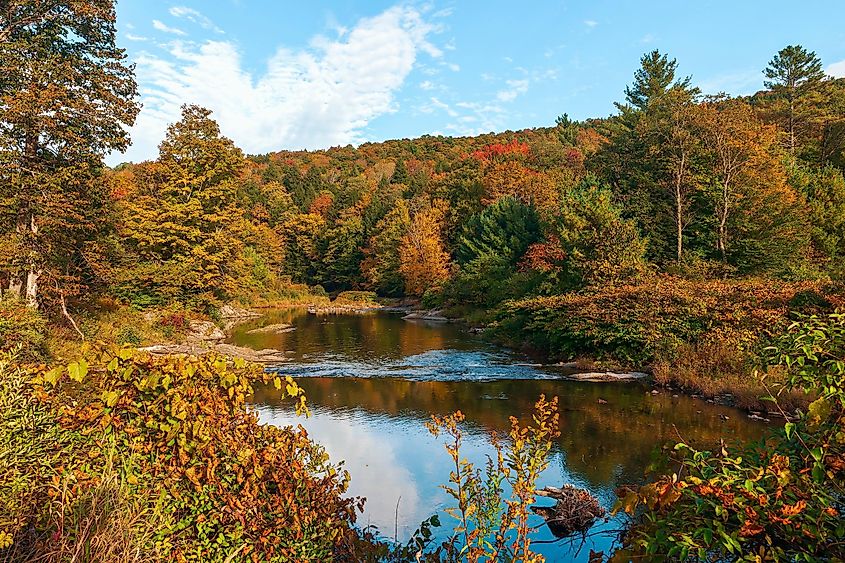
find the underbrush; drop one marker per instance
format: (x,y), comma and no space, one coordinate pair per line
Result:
(198,479)
(704,336)
(23,329)
(781,499)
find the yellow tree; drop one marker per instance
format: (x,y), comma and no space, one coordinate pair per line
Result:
(66,99)
(742,157)
(424,262)
(184,216)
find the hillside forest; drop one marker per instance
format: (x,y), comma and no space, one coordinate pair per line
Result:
(685,235)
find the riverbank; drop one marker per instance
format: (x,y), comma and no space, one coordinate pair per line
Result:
(706,338)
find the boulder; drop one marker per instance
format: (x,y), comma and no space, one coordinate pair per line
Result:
(229,311)
(204,331)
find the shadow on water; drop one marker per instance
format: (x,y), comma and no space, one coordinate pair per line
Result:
(372,381)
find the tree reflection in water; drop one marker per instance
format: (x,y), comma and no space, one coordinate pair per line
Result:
(375,423)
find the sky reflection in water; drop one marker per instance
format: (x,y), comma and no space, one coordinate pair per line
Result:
(373,381)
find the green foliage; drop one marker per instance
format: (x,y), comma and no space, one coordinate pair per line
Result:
(598,244)
(505,230)
(824,190)
(640,324)
(224,487)
(780,500)
(22,329)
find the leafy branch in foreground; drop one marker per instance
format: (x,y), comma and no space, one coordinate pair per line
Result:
(781,499)
(491,526)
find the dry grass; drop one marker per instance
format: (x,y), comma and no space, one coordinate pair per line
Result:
(107,523)
(719,370)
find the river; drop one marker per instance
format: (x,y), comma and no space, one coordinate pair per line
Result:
(373,381)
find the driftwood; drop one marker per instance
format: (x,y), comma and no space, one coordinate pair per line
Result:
(575,510)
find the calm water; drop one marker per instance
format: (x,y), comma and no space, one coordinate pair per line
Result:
(373,381)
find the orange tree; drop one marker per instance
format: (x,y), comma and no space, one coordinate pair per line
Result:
(779,500)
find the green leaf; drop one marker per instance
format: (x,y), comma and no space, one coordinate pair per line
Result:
(52,377)
(78,370)
(788,428)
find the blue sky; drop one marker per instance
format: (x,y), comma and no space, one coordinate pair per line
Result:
(291,75)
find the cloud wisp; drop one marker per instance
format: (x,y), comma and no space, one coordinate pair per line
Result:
(320,96)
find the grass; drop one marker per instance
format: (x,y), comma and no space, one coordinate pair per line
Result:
(718,370)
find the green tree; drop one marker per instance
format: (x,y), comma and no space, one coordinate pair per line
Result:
(66,99)
(505,229)
(598,244)
(794,77)
(382,263)
(654,78)
(824,190)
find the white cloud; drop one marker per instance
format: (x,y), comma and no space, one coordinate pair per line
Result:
(837,70)
(735,83)
(591,23)
(514,89)
(311,98)
(427,85)
(194,16)
(161,26)
(132,37)
(647,38)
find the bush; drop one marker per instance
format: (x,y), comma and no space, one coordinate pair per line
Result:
(779,500)
(640,324)
(22,329)
(368,297)
(225,488)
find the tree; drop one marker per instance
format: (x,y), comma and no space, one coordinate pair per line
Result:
(505,229)
(743,157)
(589,242)
(185,219)
(654,78)
(66,99)
(674,146)
(382,263)
(424,262)
(794,74)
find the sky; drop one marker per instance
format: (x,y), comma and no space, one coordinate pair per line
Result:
(283,74)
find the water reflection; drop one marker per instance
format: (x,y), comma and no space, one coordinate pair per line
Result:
(373,381)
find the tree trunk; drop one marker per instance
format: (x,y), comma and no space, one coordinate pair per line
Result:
(679,205)
(722,244)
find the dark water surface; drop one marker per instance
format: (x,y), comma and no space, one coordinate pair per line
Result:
(373,381)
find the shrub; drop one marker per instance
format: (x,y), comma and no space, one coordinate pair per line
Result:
(779,500)
(368,297)
(230,489)
(23,329)
(640,324)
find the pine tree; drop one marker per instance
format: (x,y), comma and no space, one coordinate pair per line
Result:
(794,75)
(505,229)
(654,78)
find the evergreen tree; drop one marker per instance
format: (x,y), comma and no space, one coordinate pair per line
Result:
(654,78)
(382,264)
(794,75)
(505,229)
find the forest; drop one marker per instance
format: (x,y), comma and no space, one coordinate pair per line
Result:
(694,235)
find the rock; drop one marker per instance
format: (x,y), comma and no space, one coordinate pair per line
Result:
(434,315)
(231,312)
(267,356)
(276,328)
(602,402)
(204,331)
(599,376)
